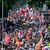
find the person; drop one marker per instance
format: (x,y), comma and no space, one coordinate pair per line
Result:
(7,39)
(27,37)
(38,45)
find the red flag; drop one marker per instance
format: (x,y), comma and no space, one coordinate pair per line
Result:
(21,34)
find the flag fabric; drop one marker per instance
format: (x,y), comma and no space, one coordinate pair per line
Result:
(21,34)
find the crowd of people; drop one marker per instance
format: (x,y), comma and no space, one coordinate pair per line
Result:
(26,29)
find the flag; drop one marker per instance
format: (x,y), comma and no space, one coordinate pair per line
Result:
(21,34)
